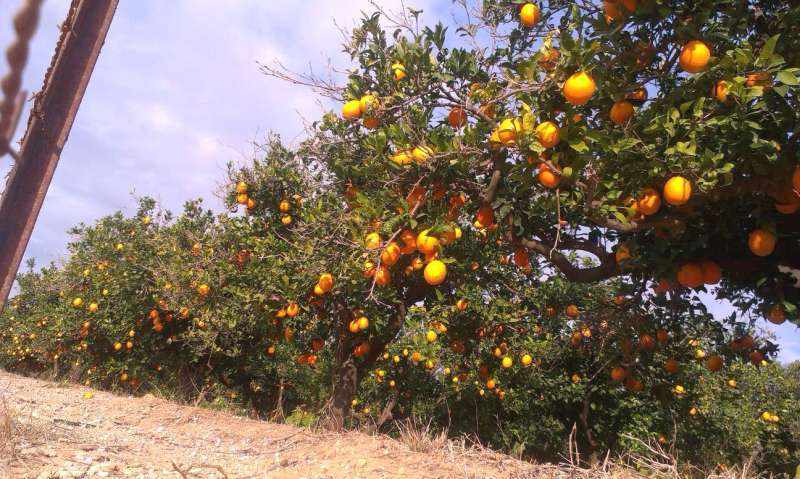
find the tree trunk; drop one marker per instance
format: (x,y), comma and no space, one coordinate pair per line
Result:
(344,390)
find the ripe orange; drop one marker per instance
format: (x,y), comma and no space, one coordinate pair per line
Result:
(203,289)
(286,220)
(485,216)
(662,336)
(325,282)
(721,90)
(382,276)
(712,273)
(714,362)
(526,360)
(427,245)
(579,88)
(572,311)
(690,275)
(435,272)
(390,254)
(672,366)
(521,257)
(461,305)
(398,71)
(318,291)
(761,242)
(353,326)
(646,342)
(776,315)
(507,362)
(292,310)
(241,187)
(368,104)
(649,202)
(529,15)
(677,190)
(633,384)
(621,112)
(547,177)
(694,56)
(619,300)
(507,132)
(351,110)
(796,179)
(457,117)
(372,122)
(618,374)
(611,11)
(548,134)
(362,323)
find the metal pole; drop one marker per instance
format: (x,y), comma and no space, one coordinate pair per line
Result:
(54,110)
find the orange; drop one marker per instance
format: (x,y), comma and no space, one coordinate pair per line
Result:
(93,307)
(435,272)
(796,179)
(549,58)
(761,242)
(325,282)
(507,362)
(507,132)
(690,275)
(611,10)
(363,323)
(757,79)
(353,327)
(672,366)
(619,300)
(621,112)
(373,241)
(286,220)
(618,374)
(579,88)
(521,257)
(646,342)
(694,56)
(572,311)
(427,245)
(776,315)
(711,272)
(457,117)
(430,336)
(409,241)
(461,305)
(485,216)
(398,71)
(714,362)
(637,96)
(203,289)
(284,206)
(721,90)
(633,384)
(547,177)
(351,110)
(390,254)
(529,15)
(649,202)
(318,291)
(372,122)
(241,187)
(662,336)
(677,190)
(548,134)
(526,360)
(292,310)
(382,276)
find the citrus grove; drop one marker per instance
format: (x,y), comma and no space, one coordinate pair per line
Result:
(510,230)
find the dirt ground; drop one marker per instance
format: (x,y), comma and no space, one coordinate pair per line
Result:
(52,431)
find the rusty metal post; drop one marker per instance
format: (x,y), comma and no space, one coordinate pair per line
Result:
(54,110)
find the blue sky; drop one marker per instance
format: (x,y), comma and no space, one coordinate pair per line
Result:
(176,94)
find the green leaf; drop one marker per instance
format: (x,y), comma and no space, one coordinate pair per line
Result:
(787,78)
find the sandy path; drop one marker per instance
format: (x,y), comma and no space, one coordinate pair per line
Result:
(58,433)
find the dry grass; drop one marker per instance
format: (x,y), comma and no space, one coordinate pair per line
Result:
(8,431)
(421,437)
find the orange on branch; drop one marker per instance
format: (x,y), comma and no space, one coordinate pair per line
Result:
(714,362)
(649,202)
(677,191)
(548,134)
(712,274)
(694,56)
(761,242)
(529,15)
(351,110)
(435,273)
(690,275)
(621,112)
(547,177)
(457,117)
(579,88)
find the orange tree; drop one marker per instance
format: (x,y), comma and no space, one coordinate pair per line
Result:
(552,148)
(652,141)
